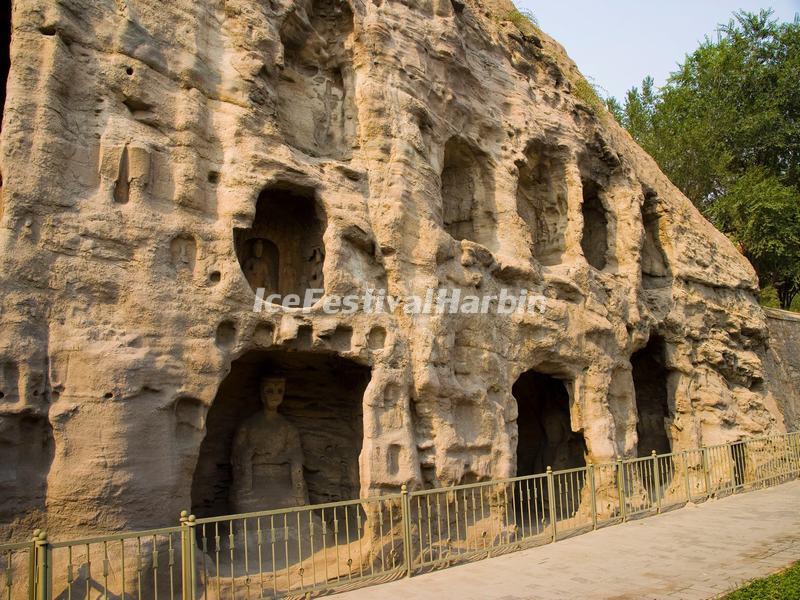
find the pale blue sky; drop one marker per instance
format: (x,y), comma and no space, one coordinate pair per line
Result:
(617,43)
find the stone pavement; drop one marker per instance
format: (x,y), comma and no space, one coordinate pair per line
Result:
(696,552)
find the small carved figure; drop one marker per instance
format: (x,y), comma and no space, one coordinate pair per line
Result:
(261,266)
(267,458)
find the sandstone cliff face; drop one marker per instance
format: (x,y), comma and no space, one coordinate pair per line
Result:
(147,145)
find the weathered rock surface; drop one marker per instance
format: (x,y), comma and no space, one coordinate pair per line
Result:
(782,363)
(147,146)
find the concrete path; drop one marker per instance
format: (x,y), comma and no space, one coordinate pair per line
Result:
(692,553)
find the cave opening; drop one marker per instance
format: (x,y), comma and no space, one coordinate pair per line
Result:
(652,398)
(594,241)
(467,194)
(542,201)
(283,251)
(545,436)
(546,439)
(321,407)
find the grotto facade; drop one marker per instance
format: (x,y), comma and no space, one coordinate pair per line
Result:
(161,162)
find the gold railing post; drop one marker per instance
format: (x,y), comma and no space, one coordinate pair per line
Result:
(706,472)
(33,565)
(593,491)
(551,501)
(656,480)
(41,569)
(621,488)
(188,589)
(686,476)
(405,513)
(787,453)
(794,444)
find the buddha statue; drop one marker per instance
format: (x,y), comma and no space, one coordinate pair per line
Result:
(267,458)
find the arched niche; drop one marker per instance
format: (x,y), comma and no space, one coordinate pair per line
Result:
(317,111)
(655,266)
(323,401)
(468,206)
(594,241)
(283,251)
(542,201)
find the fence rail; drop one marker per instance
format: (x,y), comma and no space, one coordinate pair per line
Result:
(311,550)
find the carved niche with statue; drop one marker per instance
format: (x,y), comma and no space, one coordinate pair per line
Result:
(267,457)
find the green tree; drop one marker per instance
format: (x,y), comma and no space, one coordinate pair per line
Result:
(726,129)
(763,216)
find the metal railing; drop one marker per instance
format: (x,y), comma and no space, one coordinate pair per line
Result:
(311,550)
(280,553)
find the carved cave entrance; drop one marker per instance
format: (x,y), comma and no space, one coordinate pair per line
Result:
(545,431)
(283,251)
(322,401)
(546,439)
(652,399)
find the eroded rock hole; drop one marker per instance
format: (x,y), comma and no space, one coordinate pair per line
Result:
(652,399)
(655,267)
(264,335)
(542,201)
(285,428)
(594,241)
(226,334)
(468,209)
(376,339)
(316,92)
(283,252)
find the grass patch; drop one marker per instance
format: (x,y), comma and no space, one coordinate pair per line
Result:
(585,92)
(521,19)
(781,586)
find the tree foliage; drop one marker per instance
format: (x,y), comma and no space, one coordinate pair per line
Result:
(726,129)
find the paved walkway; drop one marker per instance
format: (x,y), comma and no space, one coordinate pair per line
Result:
(692,553)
